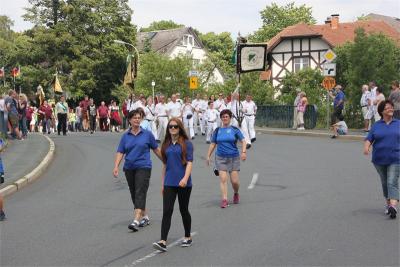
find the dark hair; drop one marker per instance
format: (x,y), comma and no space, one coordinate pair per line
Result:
(395,83)
(379,89)
(135,112)
(341,117)
(210,102)
(225,111)
(181,140)
(382,105)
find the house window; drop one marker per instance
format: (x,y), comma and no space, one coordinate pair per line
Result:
(188,40)
(301,63)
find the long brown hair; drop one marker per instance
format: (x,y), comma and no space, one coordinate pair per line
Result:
(181,140)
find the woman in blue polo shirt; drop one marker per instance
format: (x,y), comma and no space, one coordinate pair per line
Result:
(135,145)
(227,158)
(177,156)
(384,137)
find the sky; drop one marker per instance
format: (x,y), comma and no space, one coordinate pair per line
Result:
(223,15)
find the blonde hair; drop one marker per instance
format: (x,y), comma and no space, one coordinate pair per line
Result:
(24,97)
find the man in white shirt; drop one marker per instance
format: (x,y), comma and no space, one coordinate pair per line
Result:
(249,110)
(372,109)
(149,112)
(295,103)
(364,106)
(161,113)
(178,98)
(211,116)
(217,105)
(202,111)
(174,108)
(196,106)
(187,116)
(235,107)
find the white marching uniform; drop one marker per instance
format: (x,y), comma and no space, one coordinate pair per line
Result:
(187,111)
(211,117)
(217,105)
(202,111)
(174,109)
(249,111)
(161,113)
(150,117)
(196,105)
(235,108)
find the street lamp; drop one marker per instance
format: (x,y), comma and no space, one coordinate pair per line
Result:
(131,45)
(153,83)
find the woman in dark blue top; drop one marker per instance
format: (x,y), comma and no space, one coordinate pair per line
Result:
(384,137)
(177,156)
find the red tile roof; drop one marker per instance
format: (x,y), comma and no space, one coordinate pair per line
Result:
(334,37)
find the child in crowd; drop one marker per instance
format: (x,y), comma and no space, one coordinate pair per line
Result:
(340,127)
(2,215)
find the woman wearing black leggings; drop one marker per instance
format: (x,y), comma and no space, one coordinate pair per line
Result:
(177,155)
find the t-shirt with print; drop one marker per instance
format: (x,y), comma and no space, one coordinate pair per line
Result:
(226,138)
(92,110)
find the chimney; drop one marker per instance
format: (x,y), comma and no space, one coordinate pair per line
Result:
(334,21)
(328,21)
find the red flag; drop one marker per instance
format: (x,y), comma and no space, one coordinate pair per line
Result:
(15,72)
(2,72)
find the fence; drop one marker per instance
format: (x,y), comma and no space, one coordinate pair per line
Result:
(282,116)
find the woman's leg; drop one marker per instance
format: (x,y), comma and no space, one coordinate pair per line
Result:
(223,175)
(393,173)
(382,171)
(169,197)
(235,181)
(183,199)
(130,178)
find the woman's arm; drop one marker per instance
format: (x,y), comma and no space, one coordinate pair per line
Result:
(367,147)
(210,151)
(243,154)
(118,157)
(188,171)
(162,178)
(157,151)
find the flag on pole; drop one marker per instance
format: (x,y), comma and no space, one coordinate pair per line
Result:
(2,72)
(40,95)
(131,70)
(16,72)
(233,57)
(251,57)
(56,85)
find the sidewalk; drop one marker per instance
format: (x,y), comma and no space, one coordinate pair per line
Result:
(21,157)
(354,134)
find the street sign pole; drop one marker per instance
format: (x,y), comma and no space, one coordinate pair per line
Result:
(327,110)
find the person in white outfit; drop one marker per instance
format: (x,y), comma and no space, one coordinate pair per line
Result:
(202,111)
(217,105)
(196,106)
(211,116)
(249,112)
(372,108)
(161,113)
(174,108)
(187,116)
(364,106)
(236,108)
(149,112)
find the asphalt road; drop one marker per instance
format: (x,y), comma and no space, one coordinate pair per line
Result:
(317,202)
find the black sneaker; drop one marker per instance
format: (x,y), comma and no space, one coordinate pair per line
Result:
(333,136)
(160,246)
(134,226)
(392,212)
(1,178)
(186,243)
(208,142)
(248,146)
(144,222)
(203,134)
(2,216)
(253,140)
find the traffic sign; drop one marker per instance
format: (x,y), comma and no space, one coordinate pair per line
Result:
(330,69)
(329,55)
(193,73)
(328,83)
(193,83)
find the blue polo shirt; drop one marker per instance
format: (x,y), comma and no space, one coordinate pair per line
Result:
(175,170)
(385,139)
(339,96)
(136,149)
(226,138)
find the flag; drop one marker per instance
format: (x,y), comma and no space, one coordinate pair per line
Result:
(56,85)
(233,57)
(131,70)
(40,95)
(251,57)
(15,72)
(2,72)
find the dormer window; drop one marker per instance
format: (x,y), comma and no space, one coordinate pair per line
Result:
(188,40)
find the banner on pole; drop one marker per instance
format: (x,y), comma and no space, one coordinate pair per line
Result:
(251,57)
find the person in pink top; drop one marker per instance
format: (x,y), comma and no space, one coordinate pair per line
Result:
(301,109)
(102,113)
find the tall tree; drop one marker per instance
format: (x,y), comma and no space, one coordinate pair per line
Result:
(275,18)
(161,25)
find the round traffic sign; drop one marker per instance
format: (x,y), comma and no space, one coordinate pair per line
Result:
(328,83)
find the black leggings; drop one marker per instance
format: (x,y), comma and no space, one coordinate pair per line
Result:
(169,197)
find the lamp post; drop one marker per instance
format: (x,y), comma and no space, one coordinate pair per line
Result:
(153,83)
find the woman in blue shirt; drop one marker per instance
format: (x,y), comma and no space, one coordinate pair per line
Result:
(227,158)
(177,156)
(384,137)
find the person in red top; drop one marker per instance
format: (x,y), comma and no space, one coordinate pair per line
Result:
(46,113)
(84,104)
(29,113)
(102,113)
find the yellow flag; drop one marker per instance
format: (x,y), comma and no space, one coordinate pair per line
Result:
(57,86)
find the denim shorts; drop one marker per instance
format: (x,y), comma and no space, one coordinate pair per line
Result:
(341,131)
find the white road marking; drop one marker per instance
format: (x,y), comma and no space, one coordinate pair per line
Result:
(156,252)
(253,181)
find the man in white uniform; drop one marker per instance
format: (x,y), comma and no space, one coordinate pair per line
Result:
(217,105)
(372,109)
(364,106)
(235,107)
(211,116)
(202,111)
(196,106)
(187,116)
(150,116)
(161,113)
(249,112)
(174,108)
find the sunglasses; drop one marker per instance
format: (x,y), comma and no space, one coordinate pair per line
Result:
(173,127)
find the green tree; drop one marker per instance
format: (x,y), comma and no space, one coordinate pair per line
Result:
(161,25)
(275,18)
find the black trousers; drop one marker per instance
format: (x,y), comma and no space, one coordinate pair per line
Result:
(62,123)
(103,124)
(92,123)
(169,197)
(337,111)
(138,182)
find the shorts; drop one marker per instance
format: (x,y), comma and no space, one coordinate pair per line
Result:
(227,164)
(14,120)
(138,182)
(341,131)
(365,113)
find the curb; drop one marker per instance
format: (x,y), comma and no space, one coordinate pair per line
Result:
(33,175)
(310,134)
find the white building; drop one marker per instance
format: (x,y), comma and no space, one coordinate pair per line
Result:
(174,42)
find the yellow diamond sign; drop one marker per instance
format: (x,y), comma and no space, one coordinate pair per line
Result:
(329,55)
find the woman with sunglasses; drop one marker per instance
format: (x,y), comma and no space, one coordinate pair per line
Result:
(177,156)
(384,137)
(227,158)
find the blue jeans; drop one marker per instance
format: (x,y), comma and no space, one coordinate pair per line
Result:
(22,126)
(1,166)
(390,180)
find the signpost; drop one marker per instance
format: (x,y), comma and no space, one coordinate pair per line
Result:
(193,83)
(329,71)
